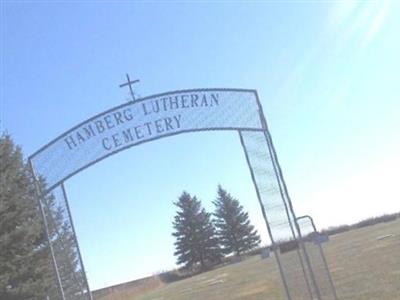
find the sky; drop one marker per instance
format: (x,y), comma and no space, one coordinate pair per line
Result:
(327,74)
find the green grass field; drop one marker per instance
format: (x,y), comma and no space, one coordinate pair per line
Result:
(362,266)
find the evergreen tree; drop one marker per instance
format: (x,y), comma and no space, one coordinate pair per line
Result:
(235,233)
(24,261)
(196,243)
(26,271)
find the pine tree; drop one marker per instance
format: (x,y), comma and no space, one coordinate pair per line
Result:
(26,271)
(24,261)
(235,233)
(196,243)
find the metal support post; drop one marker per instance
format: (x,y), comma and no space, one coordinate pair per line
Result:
(323,256)
(38,193)
(279,174)
(265,217)
(89,293)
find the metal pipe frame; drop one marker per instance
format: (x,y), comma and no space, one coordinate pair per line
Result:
(89,293)
(322,255)
(279,174)
(39,194)
(265,217)
(277,169)
(279,180)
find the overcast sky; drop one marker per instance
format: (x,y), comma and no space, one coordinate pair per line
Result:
(327,74)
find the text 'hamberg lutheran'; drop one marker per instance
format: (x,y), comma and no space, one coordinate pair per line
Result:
(135,128)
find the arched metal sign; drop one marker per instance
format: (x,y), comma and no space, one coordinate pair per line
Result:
(142,121)
(160,116)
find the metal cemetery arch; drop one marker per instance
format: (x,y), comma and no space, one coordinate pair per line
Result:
(164,115)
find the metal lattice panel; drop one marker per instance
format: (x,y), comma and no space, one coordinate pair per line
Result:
(141,121)
(280,219)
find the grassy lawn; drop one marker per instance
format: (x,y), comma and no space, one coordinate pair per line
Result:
(362,267)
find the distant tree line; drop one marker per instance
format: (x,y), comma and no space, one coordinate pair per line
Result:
(292,244)
(26,271)
(363,223)
(203,239)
